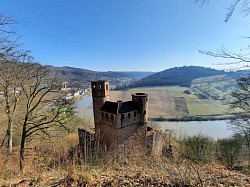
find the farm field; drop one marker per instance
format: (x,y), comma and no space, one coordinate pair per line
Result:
(173,102)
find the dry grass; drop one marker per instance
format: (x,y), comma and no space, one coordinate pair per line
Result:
(51,164)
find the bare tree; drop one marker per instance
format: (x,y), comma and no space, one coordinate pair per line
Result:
(240,97)
(241,57)
(27,90)
(241,101)
(8,37)
(9,87)
(42,116)
(9,74)
(244,6)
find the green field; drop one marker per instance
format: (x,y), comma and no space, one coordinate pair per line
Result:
(206,96)
(196,106)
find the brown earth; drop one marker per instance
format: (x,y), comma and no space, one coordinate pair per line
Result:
(161,103)
(181,105)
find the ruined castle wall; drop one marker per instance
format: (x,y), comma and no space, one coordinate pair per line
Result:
(133,146)
(154,142)
(126,131)
(115,134)
(129,118)
(109,136)
(109,118)
(86,144)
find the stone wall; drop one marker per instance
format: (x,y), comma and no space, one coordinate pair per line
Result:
(133,146)
(154,141)
(108,136)
(114,130)
(87,144)
(126,131)
(144,141)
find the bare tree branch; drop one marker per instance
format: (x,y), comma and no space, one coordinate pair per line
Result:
(231,10)
(244,6)
(224,53)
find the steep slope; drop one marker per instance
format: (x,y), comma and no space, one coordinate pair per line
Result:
(181,76)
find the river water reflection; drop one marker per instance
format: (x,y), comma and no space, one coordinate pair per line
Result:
(215,129)
(84,109)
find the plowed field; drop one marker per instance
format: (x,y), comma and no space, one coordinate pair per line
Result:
(161,103)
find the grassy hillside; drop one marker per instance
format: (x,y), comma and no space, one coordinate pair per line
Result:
(179,76)
(214,87)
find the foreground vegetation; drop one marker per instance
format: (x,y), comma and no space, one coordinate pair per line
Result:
(193,161)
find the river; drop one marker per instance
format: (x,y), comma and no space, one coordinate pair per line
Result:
(84,109)
(216,129)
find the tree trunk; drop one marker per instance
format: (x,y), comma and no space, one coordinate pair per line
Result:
(248,148)
(10,138)
(22,148)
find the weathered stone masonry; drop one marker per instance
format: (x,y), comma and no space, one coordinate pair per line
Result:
(117,122)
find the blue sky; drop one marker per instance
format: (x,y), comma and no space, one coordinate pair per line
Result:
(125,35)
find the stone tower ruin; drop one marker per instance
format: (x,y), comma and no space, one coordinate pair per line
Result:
(120,127)
(116,121)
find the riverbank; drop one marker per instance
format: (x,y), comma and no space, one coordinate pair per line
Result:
(215,117)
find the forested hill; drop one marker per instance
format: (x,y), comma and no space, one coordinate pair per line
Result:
(78,74)
(181,76)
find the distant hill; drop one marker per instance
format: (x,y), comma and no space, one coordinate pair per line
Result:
(181,76)
(139,74)
(77,74)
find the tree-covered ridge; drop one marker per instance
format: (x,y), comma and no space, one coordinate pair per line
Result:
(78,74)
(181,76)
